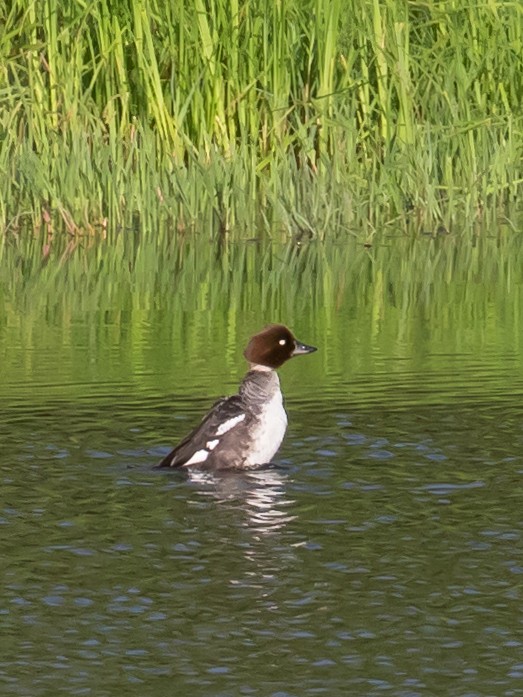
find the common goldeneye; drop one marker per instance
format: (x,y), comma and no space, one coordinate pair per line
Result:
(247,429)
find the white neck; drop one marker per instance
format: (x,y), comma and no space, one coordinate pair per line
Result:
(261,368)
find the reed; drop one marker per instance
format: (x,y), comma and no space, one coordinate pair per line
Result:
(219,118)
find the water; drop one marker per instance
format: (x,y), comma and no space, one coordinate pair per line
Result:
(381,554)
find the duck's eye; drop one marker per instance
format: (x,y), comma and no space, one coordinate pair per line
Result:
(282,342)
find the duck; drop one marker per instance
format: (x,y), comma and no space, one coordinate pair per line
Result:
(245,430)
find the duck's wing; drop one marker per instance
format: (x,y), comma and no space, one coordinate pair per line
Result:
(226,414)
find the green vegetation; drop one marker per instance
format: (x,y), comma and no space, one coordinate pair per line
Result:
(314,118)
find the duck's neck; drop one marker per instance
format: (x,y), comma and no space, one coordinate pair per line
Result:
(260,384)
(260,368)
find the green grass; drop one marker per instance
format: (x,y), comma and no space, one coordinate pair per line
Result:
(322,119)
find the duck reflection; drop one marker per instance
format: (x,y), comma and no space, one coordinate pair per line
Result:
(261,494)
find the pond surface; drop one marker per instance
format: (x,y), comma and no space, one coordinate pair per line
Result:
(381,554)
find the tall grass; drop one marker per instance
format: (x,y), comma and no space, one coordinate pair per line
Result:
(313,118)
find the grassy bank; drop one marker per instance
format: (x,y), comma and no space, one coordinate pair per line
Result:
(312,118)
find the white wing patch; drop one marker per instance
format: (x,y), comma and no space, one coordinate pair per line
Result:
(199,456)
(227,425)
(202,455)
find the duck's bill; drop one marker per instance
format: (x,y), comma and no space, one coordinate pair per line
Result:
(301,349)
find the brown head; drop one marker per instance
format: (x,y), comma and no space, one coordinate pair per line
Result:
(274,345)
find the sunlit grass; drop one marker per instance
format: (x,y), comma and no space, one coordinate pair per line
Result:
(315,119)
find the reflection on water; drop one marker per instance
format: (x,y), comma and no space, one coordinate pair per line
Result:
(382,555)
(260,494)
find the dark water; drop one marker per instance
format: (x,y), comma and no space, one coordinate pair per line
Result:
(381,554)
